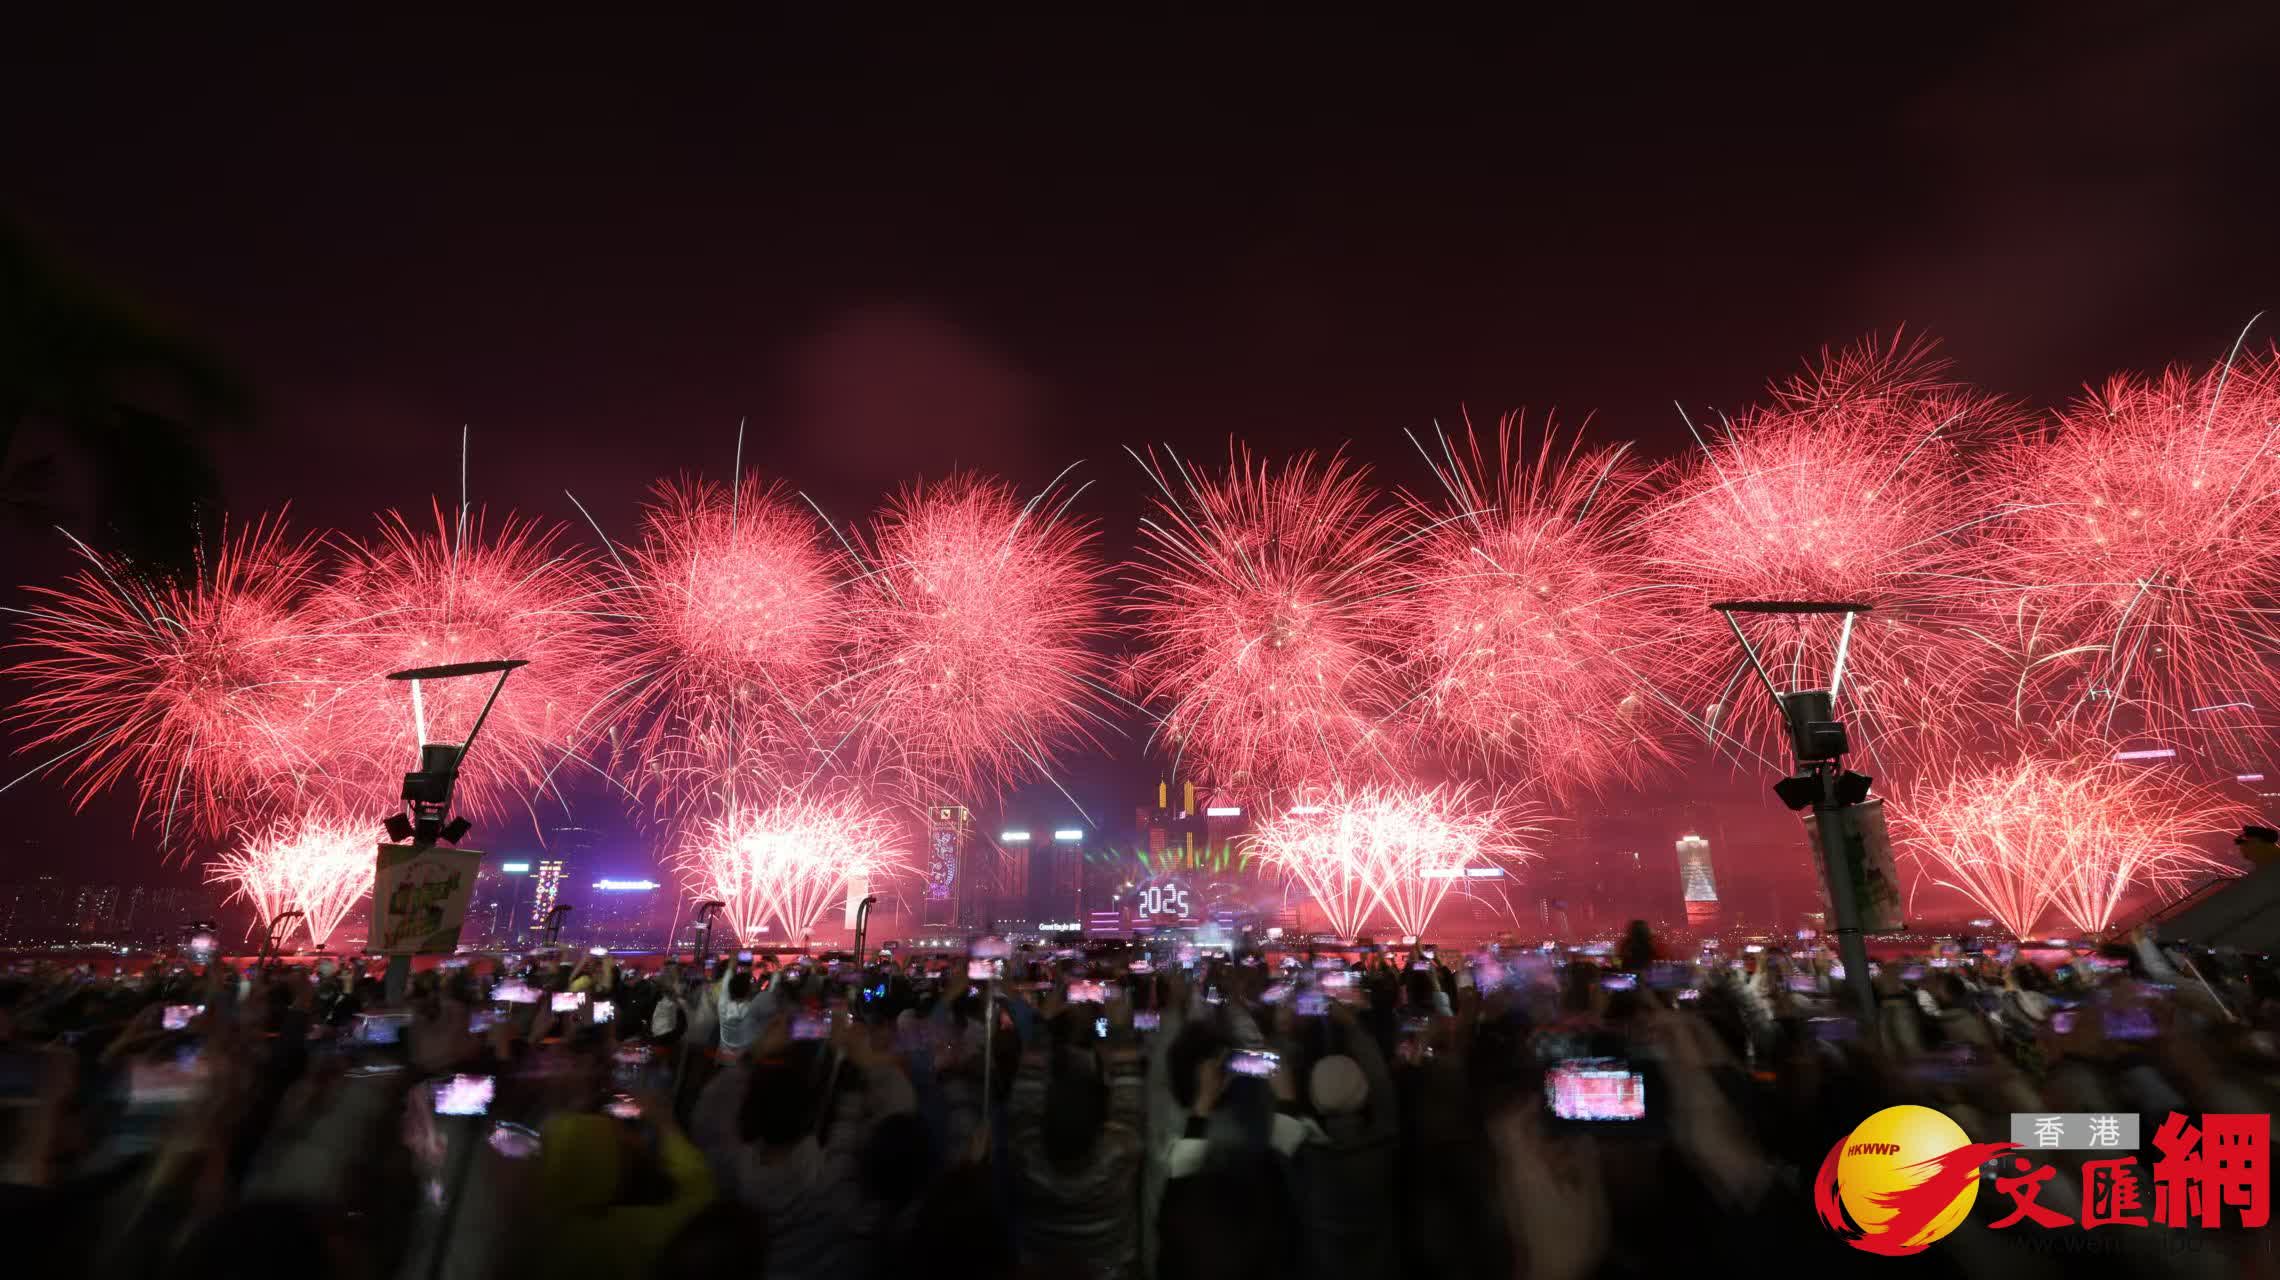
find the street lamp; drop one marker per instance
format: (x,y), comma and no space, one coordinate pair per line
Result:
(1818,741)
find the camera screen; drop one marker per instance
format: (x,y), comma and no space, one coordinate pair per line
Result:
(1253,1062)
(605,1011)
(982,970)
(810,1026)
(568,1001)
(178,1016)
(1596,1089)
(1147,1020)
(1088,993)
(465,1095)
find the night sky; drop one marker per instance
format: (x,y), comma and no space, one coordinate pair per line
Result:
(601,244)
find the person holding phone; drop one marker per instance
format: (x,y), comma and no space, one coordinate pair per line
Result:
(1345,1177)
(1075,1130)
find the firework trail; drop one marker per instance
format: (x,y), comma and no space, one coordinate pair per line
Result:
(1398,848)
(736,625)
(1530,614)
(320,866)
(1264,605)
(2077,830)
(790,861)
(2136,530)
(1849,486)
(211,694)
(414,599)
(971,662)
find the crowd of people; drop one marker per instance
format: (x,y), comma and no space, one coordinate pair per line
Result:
(1116,1112)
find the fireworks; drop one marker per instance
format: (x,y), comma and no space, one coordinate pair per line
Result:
(2080,832)
(1530,614)
(321,867)
(207,693)
(790,861)
(2137,532)
(1264,608)
(1400,849)
(1847,487)
(736,626)
(971,662)
(411,599)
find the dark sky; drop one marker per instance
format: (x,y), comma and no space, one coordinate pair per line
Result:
(899,247)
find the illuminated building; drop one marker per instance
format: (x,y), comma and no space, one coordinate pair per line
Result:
(622,915)
(548,877)
(945,859)
(1696,886)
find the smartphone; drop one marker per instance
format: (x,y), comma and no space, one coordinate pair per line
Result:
(1689,995)
(568,1001)
(1753,949)
(1257,1063)
(515,991)
(983,970)
(2129,1024)
(1142,965)
(1312,1004)
(1088,993)
(1662,975)
(465,1095)
(514,1141)
(1415,1024)
(605,1011)
(202,948)
(1834,1029)
(178,1016)
(1100,1028)
(1912,973)
(381,1028)
(622,1106)
(1620,982)
(1147,1020)
(1804,984)
(1595,1091)
(810,1026)
(744,957)
(1421,966)
(1340,979)
(597,951)
(482,1020)
(1275,993)
(1429,953)
(2062,1021)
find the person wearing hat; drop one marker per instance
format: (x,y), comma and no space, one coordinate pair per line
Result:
(1346,1174)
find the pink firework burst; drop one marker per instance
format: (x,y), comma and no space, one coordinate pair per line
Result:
(319,866)
(415,599)
(2080,831)
(737,619)
(211,694)
(1531,617)
(1397,848)
(2135,530)
(1848,487)
(790,861)
(1264,604)
(973,661)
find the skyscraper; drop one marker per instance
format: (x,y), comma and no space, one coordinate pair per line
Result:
(549,887)
(947,874)
(1695,883)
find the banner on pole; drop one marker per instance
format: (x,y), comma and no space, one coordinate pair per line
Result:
(419,898)
(1868,855)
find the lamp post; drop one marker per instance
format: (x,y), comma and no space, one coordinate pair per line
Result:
(863,923)
(1821,783)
